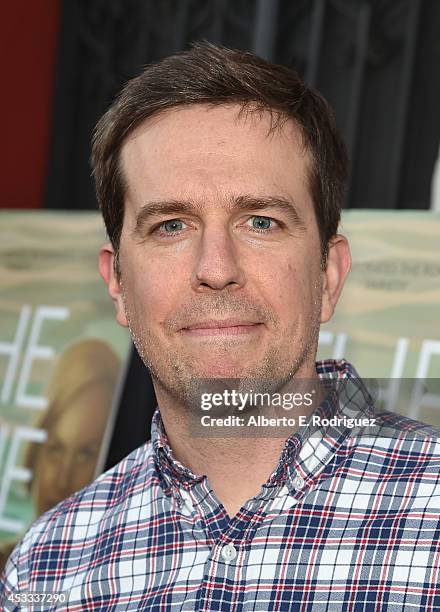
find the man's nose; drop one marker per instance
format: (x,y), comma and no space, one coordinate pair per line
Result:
(218,262)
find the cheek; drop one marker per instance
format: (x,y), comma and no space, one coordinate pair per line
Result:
(297,291)
(290,284)
(154,288)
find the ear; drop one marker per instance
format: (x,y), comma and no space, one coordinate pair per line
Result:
(111,279)
(334,275)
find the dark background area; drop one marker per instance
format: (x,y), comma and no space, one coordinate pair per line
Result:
(376,61)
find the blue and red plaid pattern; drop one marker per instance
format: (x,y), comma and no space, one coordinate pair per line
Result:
(345,522)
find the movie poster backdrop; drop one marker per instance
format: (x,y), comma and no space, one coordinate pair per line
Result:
(62,357)
(387,322)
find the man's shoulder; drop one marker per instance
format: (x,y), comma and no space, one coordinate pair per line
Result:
(405,425)
(400,441)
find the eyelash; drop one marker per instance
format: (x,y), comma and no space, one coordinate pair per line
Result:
(162,234)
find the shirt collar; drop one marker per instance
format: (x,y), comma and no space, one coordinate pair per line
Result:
(305,452)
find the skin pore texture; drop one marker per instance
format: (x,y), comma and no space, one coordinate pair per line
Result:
(219,224)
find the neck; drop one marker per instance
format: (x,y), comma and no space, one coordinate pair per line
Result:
(236,467)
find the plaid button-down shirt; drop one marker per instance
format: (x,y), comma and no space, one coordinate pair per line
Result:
(345,522)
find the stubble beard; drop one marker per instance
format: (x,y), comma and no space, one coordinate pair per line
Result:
(177,375)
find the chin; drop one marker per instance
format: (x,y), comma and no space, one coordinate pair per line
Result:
(218,372)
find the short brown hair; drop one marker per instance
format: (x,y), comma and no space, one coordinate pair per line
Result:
(215,75)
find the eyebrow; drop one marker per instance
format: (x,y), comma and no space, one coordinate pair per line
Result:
(239,203)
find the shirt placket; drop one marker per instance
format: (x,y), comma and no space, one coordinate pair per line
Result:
(230,541)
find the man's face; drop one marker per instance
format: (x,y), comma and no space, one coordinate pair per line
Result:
(219,225)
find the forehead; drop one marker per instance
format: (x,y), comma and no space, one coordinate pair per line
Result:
(204,151)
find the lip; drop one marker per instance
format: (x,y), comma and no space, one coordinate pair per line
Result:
(216,324)
(230,327)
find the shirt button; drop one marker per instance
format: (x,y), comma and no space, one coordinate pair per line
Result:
(298,482)
(229,552)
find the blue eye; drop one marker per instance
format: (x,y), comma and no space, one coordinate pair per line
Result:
(173,225)
(263,225)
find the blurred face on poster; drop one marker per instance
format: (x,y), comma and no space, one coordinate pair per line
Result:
(66,462)
(80,398)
